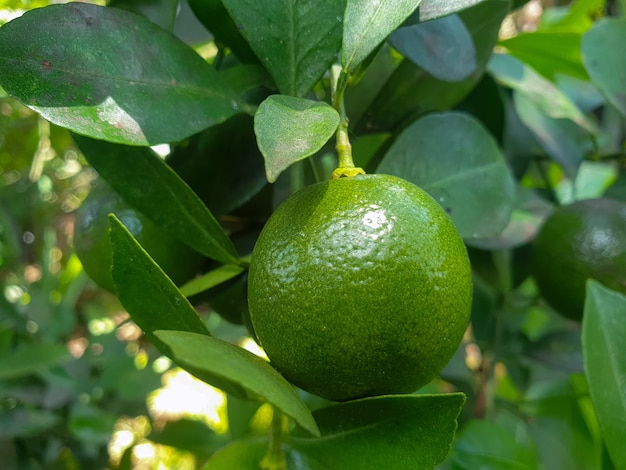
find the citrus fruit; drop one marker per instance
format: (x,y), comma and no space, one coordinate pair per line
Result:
(359,286)
(582,240)
(93,248)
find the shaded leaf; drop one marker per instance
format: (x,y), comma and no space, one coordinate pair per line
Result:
(433,9)
(443,47)
(410,91)
(224,360)
(603,336)
(151,186)
(604,59)
(19,422)
(30,359)
(562,139)
(110,74)
(450,171)
(296,41)
(367,23)
(483,444)
(290,129)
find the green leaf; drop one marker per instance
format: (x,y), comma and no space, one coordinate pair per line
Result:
(222,164)
(467,175)
(296,41)
(443,48)
(401,432)
(367,23)
(433,9)
(211,279)
(230,362)
(290,129)
(549,99)
(152,187)
(214,16)
(603,333)
(30,359)
(483,444)
(604,59)
(150,297)
(565,141)
(410,91)
(110,74)
(20,422)
(549,54)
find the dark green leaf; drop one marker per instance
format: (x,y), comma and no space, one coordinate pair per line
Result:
(467,175)
(296,41)
(290,129)
(411,91)
(227,361)
(550,54)
(20,422)
(214,16)
(30,359)
(188,434)
(392,432)
(603,336)
(604,59)
(110,74)
(367,23)
(149,296)
(483,444)
(433,9)
(151,186)
(222,165)
(443,47)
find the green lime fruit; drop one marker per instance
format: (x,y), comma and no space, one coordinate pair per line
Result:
(93,248)
(359,286)
(579,241)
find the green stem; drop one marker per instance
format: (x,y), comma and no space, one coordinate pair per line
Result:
(346,167)
(274,459)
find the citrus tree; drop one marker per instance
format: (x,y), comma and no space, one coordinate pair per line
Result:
(380,193)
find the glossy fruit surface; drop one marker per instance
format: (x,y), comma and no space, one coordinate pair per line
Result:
(360,286)
(93,248)
(582,240)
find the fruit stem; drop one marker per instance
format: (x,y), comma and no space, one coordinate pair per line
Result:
(274,459)
(346,167)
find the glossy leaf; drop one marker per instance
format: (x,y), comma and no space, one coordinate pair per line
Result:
(443,48)
(296,41)
(232,363)
(549,54)
(151,186)
(150,297)
(483,444)
(604,59)
(367,23)
(110,74)
(433,9)
(603,336)
(31,359)
(290,129)
(467,175)
(410,91)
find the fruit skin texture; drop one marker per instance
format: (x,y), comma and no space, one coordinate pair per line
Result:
(93,248)
(585,239)
(359,286)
